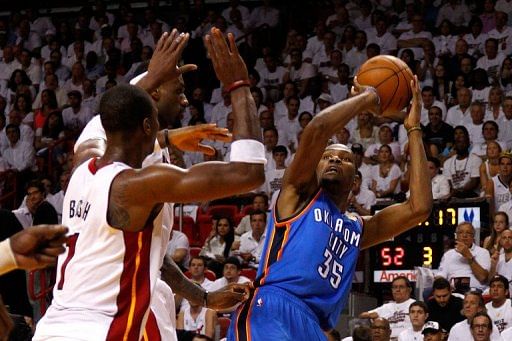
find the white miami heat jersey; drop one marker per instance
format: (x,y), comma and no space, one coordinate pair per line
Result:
(197,325)
(106,277)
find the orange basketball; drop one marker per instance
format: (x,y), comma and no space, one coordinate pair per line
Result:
(392,79)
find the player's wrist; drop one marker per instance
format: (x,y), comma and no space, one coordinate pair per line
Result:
(8,260)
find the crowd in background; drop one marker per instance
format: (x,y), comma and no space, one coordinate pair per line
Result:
(302,58)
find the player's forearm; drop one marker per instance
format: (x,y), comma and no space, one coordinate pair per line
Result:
(420,185)
(246,125)
(332,119)
(181,285)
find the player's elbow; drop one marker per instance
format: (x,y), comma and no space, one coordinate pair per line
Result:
(420,209)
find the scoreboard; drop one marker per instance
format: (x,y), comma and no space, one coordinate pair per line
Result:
(424,244)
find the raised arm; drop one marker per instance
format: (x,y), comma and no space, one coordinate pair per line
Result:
(207,181)
(396,219)
(299,179)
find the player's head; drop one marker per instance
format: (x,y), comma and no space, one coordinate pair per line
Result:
(169,98)
(336,169)
(129,115)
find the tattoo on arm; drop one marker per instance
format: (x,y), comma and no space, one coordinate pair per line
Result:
(179,283)
(117,216)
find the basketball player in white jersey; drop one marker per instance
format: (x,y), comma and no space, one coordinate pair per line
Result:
(106,277)
(169,97)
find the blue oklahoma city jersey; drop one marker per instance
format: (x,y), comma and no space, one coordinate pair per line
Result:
(313,256)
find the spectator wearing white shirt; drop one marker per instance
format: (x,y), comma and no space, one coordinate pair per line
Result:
(271,77)
(235,5)
(264,14)
(460,113)
(501,262)
(322,59)
(418,314)
(299,72)
(361,199)
(473,306)
(500,307)
(490,130)
(33,70)
(19,155)
(259,203)
(231,274)
(26,132)
(380,36)
(397,311)
(274,177)
(76,116)
(476,124)
(502,33)
(385,137)
(457,13)
(289,126)
(251,242)
(445,41)
(178,249)
(429,100)
(357,55)
(440,184)
(466,260)
(221,110)
(463,168)
(475,38)
(492,59)
(415,38)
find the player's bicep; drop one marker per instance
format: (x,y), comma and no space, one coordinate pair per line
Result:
(386,224)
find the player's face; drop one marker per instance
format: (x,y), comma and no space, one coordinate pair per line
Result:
(470,306)
(442,296)
(498,291)
(417,316)
(337,165)
(481,328)
(172,99)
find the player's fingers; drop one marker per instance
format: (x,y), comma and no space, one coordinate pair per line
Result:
(44,260)
(48,232)
(187,68)
(220,44)
(176,44)
(161,41)
(221,137)
(208,42)
(171,39)
(53,251)
(232,44)
(208,150)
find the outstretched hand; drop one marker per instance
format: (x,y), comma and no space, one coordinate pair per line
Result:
(163,65)
(374,105)
(228,296)
(188,139)
(414,116)
(38,246)
(227,62)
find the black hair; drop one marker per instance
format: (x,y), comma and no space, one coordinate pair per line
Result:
(258,212)
(124,107)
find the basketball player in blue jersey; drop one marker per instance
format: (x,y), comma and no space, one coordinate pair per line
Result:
(312,245)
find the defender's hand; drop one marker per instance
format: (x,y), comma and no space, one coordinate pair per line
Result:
(188,139)
(228,296)
(163,65)
(38,246)
(227,62)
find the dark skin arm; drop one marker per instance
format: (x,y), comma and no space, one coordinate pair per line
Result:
(136,192)
(299,181)
(223,298)
(396,219)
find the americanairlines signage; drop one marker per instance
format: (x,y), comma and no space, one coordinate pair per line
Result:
(387,276)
